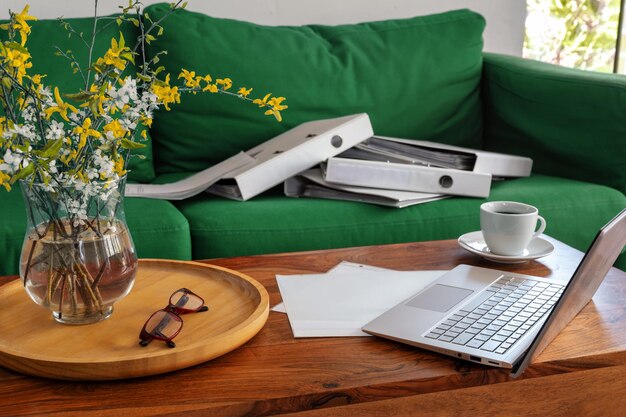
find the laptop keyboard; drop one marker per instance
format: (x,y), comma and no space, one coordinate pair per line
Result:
(499,316)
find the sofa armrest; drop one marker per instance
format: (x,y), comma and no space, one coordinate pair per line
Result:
(572,123)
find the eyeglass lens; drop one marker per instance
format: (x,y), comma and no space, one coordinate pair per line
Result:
(185,300)
(163,324)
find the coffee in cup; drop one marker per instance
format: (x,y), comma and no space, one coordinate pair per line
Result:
(508,226)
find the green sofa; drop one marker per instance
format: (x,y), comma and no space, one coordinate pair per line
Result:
(424,78)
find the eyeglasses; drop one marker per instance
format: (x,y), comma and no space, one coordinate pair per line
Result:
(165,324)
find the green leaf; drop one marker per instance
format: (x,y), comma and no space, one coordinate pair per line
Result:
(16,46)
(134,21)
(127,56)
(52,148)
(129,144)
(83,95)
(121,43)
(23,173)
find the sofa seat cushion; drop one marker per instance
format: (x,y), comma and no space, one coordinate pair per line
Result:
(158,229)
(415,78)
(574,212)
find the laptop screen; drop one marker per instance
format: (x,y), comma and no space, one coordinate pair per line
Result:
(594,266)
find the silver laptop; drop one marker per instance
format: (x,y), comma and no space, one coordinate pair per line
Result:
(499,318)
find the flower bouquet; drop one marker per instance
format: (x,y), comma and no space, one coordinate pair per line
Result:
(70,153)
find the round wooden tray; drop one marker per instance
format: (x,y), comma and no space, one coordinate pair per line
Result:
(33,343)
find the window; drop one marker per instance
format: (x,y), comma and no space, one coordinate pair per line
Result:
(577,33)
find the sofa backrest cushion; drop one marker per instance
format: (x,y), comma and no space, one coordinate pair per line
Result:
(571,122)
(48,34)
(416,78)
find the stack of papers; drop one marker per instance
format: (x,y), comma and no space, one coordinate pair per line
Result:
(415,154)
(341,301)
(312,184)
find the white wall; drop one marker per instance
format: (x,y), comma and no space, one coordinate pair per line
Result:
(504,32)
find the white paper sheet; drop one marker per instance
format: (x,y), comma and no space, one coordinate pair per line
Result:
(341,267)
(340,303)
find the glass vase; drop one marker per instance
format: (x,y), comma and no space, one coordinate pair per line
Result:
(78,257)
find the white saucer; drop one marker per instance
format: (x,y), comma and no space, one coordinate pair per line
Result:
(475,243)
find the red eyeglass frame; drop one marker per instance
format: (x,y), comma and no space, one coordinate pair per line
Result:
(172,312)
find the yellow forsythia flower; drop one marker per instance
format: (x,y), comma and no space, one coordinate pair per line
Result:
(119,166)
(19,61)
(212,88)
(85,131)
(262,102)
(5,179)
(276,107)
(166,93)
(190,78)
(66,159)
(114,130)
(226,83)
(61,107)
(20,23)
(114,55)
(244,92)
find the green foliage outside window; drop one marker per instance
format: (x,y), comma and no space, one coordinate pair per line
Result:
(573,33)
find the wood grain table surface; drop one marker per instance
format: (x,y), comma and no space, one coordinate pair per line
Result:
(274,373)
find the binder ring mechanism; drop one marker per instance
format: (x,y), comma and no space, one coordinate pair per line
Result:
(446,181)
(336,141)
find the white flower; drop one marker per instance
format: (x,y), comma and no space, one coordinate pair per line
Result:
(125,94)
(28,114)
(77,117)
(27,131)
(52,167)
(55,130)
(127,124)
(104,165)
(12,162)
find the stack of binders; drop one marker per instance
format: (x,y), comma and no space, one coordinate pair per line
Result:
(341,159)
(402,172)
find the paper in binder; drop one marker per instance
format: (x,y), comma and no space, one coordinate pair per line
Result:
(425,153)
(249,173)
(311,183)
(412,165)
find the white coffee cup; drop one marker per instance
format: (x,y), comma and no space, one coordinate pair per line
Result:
(508,226)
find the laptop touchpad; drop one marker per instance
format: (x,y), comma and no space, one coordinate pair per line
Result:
(439,298)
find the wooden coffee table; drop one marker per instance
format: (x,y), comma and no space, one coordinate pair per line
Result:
(274,373)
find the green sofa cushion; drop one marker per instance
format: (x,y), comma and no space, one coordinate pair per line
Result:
(416,78)
(46,34)
(572,123)
(574,212)
(158,229)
